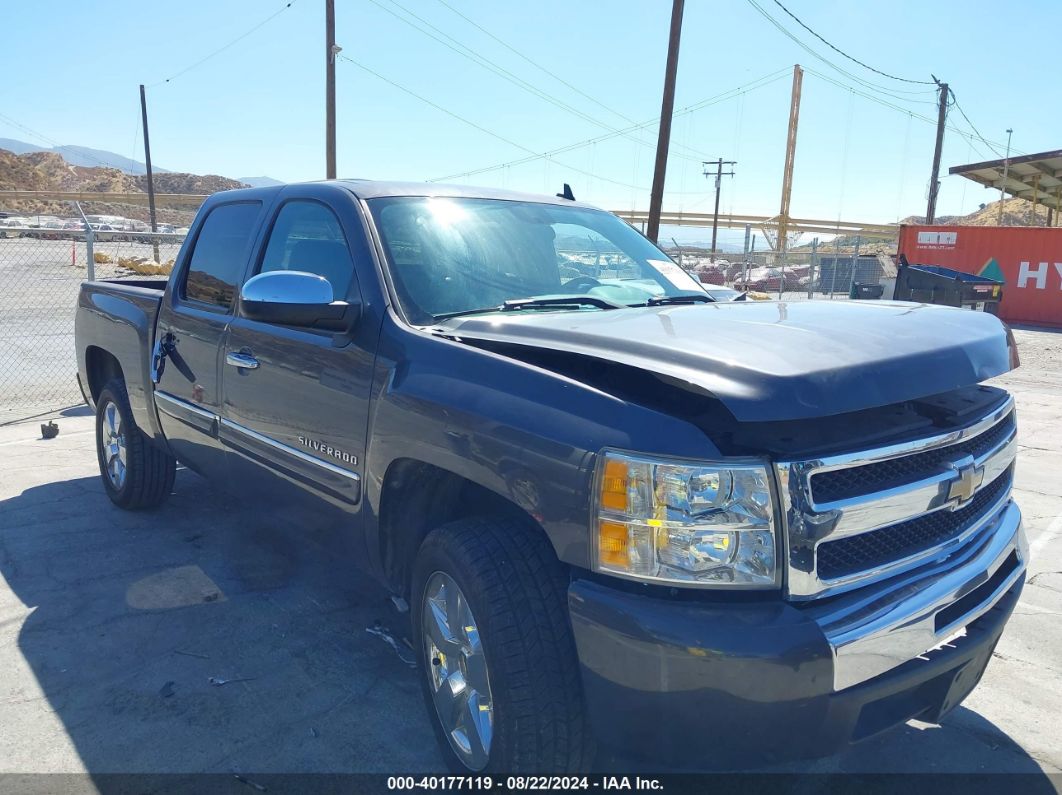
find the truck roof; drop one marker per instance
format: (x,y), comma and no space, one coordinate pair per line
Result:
(375,189)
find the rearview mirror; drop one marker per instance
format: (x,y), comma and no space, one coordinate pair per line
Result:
(296,298)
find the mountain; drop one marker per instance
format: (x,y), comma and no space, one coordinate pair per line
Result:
(82,156)
(49,171)
(260,182)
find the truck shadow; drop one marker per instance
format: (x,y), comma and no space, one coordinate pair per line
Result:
(201,637)
(206,637)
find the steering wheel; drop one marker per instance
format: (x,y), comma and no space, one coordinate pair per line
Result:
(581,282)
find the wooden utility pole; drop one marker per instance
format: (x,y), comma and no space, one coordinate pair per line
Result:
(667,108)
(147,160)
(718,186)
(150,176)
(934,178)
(330,89)
(790,154)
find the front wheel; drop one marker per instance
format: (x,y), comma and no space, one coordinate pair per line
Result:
(136,474)
(493,639)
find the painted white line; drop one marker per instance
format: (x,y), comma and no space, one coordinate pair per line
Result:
(62,435)
(1054,530)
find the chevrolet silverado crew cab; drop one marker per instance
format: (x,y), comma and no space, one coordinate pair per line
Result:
(622,514)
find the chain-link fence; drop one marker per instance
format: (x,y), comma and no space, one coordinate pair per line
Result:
(41,270)
(796,276)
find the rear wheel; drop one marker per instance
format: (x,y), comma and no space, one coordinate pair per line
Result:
(136,474)
(493,639)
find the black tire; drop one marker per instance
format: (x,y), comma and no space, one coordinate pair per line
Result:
(517,591)
(148,471)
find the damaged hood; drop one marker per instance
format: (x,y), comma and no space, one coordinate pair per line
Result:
(775,360)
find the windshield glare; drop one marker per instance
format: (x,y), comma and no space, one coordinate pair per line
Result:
(451,255)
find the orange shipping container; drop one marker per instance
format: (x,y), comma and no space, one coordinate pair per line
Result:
(1027,258)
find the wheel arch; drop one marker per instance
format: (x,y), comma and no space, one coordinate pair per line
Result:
(416,497)
(101,366)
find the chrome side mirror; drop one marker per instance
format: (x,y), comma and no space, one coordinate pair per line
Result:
(295,298)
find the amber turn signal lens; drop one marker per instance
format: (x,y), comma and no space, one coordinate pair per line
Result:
(614,486)
(613,545)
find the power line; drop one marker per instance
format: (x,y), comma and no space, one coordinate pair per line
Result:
(753,85)
(887,104)
(220,50)
(466,52)
(958,107)
(892,92)
(537,65)
(480,127)
(846,55)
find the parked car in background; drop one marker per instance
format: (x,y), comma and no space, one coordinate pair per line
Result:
(720,293)
(768,280)
(710,274)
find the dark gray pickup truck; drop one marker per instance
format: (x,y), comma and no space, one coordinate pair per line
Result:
(621,514)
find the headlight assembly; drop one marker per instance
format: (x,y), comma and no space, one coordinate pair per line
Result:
(695,524)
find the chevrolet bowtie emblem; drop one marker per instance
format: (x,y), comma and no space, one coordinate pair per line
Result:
(968,480)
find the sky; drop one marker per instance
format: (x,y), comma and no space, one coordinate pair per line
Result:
(441,88)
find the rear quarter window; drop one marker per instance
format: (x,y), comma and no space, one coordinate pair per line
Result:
(220,254)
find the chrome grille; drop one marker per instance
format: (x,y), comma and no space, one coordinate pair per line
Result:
(861,517)
(839,484)
(851,555)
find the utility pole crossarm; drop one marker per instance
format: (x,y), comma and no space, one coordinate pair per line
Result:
(719,174)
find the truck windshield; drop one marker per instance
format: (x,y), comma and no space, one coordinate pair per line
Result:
(453,256)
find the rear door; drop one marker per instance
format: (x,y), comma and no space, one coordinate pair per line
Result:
(296,418)
(193,318)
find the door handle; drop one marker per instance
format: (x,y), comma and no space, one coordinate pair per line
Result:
(242,360)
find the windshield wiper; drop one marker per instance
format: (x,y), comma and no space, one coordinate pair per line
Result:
(463,312)
(687,298)
(516,304)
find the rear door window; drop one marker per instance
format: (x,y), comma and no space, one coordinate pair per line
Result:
(220,254)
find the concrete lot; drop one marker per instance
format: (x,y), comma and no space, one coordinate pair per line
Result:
(113,624)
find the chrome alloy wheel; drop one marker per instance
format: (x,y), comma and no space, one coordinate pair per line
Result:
(457,671)
(112,444)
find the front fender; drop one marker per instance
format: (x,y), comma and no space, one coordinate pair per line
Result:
(522,432)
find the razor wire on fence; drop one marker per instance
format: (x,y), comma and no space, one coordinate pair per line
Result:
(41,271)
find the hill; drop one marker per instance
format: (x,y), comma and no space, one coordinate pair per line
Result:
(1016,212)
(46,170)
(82,156)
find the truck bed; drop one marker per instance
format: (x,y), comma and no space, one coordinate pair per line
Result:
(116,319)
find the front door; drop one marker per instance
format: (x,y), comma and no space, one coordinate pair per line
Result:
(296,400)
(192,320)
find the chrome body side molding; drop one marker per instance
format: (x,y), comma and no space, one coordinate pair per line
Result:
(309,470)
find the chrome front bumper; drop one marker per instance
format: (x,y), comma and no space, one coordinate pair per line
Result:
(880,627)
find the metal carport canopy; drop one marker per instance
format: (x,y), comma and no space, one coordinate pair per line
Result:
(1037,178)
